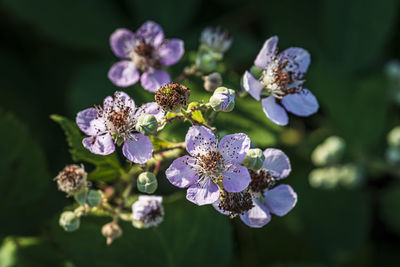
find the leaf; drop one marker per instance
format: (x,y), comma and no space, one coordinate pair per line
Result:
(107,167)
(196,115)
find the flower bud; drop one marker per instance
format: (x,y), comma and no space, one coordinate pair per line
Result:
(147,212)
(348,175)
(69,221)
(216,39)
(212,81)
(254,159)
(392,70)
(71,179)
(394,137)
(171,97)
(206,62)
(94,198)
(111,231)
(329,152)
(393,155)
(147,182)
(223,99)
(147,124)
(81,196)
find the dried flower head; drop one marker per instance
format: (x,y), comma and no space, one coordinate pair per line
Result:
(111,231)
(71,179)
(171,97)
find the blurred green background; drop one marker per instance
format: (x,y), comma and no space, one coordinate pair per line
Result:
(54,60)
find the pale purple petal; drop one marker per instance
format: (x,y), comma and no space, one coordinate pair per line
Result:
(151,33)
(280,200)
(301,104)
(124,99)
(180,173)
(200,141)
(100,144)
(275,112)
(277,163)
(299,59)
(83,119)
(122,42)
(97,127)
(123,73)
(171,52)
(267,52)
(138,149)
(216,206)
(252,85)
(108,102)
(234,147)
(152,81)
(256,217)
(236,178)
(151,108)
(203,192)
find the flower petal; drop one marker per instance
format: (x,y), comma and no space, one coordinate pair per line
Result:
(280,200)
(151,108)
(180,173)
(122,99)
(267,52)
(200,140)
(252,85)
(277,163)
(256,217)
(100,144)
(301,104)
(216,206)
(171,52)
(123,73)
(138,149)
(151,81)
(83,119)
(274,111)
(122,42)
(234,147)
(205,192)
(151,33)
(299,59)
(236,178)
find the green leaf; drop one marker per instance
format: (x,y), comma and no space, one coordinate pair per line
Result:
(196,115)
(107,167)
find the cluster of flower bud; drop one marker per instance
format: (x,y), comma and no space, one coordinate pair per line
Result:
(329,152)
(347,175)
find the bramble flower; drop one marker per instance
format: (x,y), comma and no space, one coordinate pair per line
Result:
(115,122)
(210,166)
(266,199)
(147,212)
(71,179)
(282,79)
(216,39)
(147,51)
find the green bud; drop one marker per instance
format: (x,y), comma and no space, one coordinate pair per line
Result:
(394,137)
(348,175)
(392,70)
(393,155)
(223,99)
(69,221)
(254,159)
(329,152)
(94,198)
(206,61)
(147,124)
(256,72)
(81,196)
(147,182)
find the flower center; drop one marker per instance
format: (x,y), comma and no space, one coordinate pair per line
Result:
(211,163)
(260,180)
(235,203)
(145,56)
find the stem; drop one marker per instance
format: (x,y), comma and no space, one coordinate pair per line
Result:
(186,73)
(212,117)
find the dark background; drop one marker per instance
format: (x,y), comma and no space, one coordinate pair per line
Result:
(54,57)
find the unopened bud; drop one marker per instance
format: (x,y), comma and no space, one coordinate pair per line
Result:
(212,81)
(394,137)
(171,97)
(254,159)
(348,175)
(71,179)
(147,124)
(69,221)
(81,196)
(111,231)
(94,198)
(223,99)
(147,182)
(329,152)
(393,155)
(392,70)
(206,62)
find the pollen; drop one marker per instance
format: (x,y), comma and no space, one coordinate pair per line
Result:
(260,180)
(171,97)
(235,203)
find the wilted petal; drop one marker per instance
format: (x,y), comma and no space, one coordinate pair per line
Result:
(234,147)
(151,108)
(180,173)
(100,144)
(281,199)
(236,178)
(123,73)
(122,42)
(171,52)
(83,119)
(277,163)
(274,111)
(252,85)
(301,104)
(256,217)
(152,81)
(200,140)
(267,52)
(151,33)
(299,59)
(202,193)
(138,149)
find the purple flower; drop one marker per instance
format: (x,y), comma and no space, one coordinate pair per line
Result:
(147,51)
(147,211)
(282,78)
(115,123)
(266,199)
(211,166)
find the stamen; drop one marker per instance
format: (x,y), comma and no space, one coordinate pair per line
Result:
(260,180)
(235,203)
